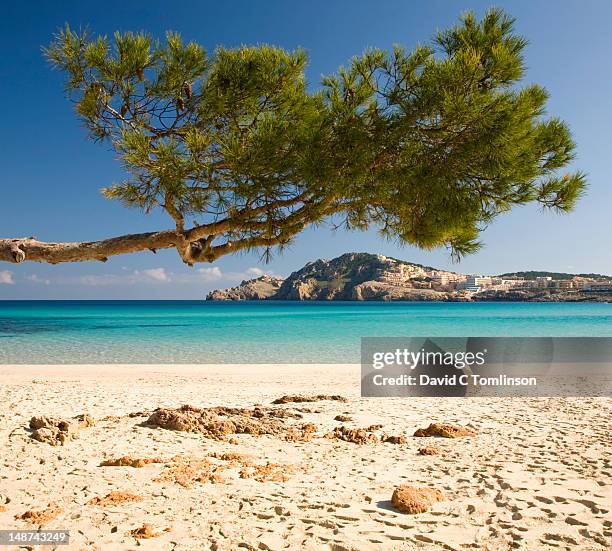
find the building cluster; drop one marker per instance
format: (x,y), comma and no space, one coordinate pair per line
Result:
(422,277)
(400,273)
(477,283)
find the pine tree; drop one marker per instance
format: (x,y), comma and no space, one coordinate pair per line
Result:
(428,146)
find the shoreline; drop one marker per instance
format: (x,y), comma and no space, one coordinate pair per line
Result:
(532,476)
(23,372)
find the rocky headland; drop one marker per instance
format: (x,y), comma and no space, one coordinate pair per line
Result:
(364,276)
(260,288)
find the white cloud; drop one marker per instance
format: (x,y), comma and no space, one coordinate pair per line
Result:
(153,276)
(35,279)
(97,280)
(158,274)
(211,274)
(215,274)
(255,272)
(6,277)
(150,275)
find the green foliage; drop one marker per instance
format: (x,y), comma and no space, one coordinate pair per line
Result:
(429,146)
(532,274)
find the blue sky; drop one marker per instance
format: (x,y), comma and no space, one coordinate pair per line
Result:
(51,174)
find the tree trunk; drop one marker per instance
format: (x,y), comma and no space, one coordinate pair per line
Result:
(27,248)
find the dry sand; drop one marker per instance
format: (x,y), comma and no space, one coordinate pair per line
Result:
(536,475)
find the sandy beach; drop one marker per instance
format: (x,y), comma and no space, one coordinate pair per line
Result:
(536,474)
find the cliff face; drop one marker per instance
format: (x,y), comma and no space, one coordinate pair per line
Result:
(376,290)
(335,279)
(261,288)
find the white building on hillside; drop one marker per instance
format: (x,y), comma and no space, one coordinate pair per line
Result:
(475,283)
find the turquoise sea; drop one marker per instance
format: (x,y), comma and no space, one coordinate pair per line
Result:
(262,332)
